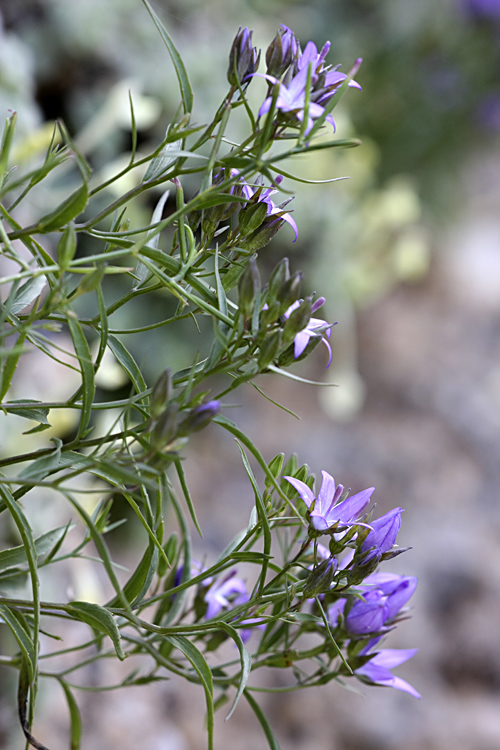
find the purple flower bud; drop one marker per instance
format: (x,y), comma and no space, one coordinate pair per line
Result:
(281,52)
(199,417)
(383,534)
(243,59)
(385,595)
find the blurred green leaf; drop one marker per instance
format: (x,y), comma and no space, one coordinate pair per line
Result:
(99,619)
(185,86)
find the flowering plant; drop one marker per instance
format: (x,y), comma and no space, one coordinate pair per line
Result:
(203,256)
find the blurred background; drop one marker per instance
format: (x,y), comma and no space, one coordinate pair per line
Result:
(407,253)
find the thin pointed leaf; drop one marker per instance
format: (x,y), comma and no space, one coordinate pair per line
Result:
(185,86)
(26,294)
(44,544)
(74,717)
(99,619)
(196,658)
(129,365)
(82,352)
(22,637)
(187,495)
(271,739)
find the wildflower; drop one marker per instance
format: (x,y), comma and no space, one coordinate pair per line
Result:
(227,593)
(325,82)
(325,510)
(315,328)
(377,670)
(383,535)
(384,595)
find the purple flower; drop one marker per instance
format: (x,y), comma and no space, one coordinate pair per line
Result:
(316,328)
(327,511)
(383,535)
(385,595)
(292,92)
(227,593)
(377,670)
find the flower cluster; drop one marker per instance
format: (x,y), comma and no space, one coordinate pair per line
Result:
(307,84)
(373,602)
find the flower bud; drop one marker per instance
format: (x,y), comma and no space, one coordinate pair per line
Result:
(199,417)
(243,59)
(66,247)
(251,217)
(160,395)
(270,314)
(289,292)
(165,429)
(280,274)
(269,350)
(281,52)
(320,578)
(248,288)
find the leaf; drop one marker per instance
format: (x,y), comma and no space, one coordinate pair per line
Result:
(129,365)
(74,716)
(22,637)
(271,739)
(99,619)
(185,86)
(26,294)
(44,544)
(203,670)
(36,412)
(187,496)
(82,352)
(56,461)
(246,663)
(26,535)
(69,209)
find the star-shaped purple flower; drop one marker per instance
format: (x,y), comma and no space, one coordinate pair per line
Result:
(325,509)
(292,92)
(377,670)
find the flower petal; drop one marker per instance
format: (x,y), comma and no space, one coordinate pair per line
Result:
(304,491)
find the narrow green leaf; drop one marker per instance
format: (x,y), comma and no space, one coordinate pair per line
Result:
(36,412)
(99,619)
(203,670)
(271,739)
(186,493)
(22,637)
(82,352)
(185,86)
(266,530)
(44,544)
(26,294)
(246,664)
(129,365)
(7,138)
(74,716)
(10,364)
(69,209)
(26,535)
